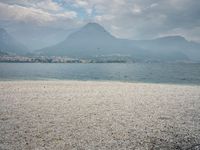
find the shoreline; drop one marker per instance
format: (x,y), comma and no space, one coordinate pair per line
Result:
(98,81)
(98,115)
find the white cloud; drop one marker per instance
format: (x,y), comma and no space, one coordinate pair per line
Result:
(66,15)
(31,14)
(104,18)
(89,11)
(153,5)
(81,3)
(136,9)
(48,5)
(20,13)
(136,19)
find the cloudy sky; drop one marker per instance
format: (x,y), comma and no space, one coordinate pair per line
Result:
(133,19)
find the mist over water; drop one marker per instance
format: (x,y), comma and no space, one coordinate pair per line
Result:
(137,72)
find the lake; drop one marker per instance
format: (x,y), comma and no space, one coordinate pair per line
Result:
(178,73)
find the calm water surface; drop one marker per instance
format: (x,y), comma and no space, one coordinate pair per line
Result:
(137,72)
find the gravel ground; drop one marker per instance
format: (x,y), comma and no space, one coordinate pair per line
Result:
(65,115)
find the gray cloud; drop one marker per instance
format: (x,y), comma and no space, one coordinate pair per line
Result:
(135,19)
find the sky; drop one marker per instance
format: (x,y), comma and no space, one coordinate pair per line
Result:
(131,19)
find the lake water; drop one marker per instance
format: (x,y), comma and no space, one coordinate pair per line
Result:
(137,72)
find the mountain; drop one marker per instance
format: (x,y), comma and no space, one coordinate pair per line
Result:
(176,44)
(9,45)
(3,53)
(93,41)
(39,37)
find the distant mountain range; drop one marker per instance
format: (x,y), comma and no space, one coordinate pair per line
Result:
(9,45)
(93,41)
(171,44)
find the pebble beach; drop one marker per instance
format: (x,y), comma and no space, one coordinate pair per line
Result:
(83,115)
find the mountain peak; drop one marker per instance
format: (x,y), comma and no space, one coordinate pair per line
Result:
(91,31)
(173,37)
(93,27)
(93,24)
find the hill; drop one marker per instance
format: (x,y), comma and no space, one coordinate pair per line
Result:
(93,41)
(10,45)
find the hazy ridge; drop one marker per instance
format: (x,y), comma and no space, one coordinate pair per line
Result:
(92,41)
